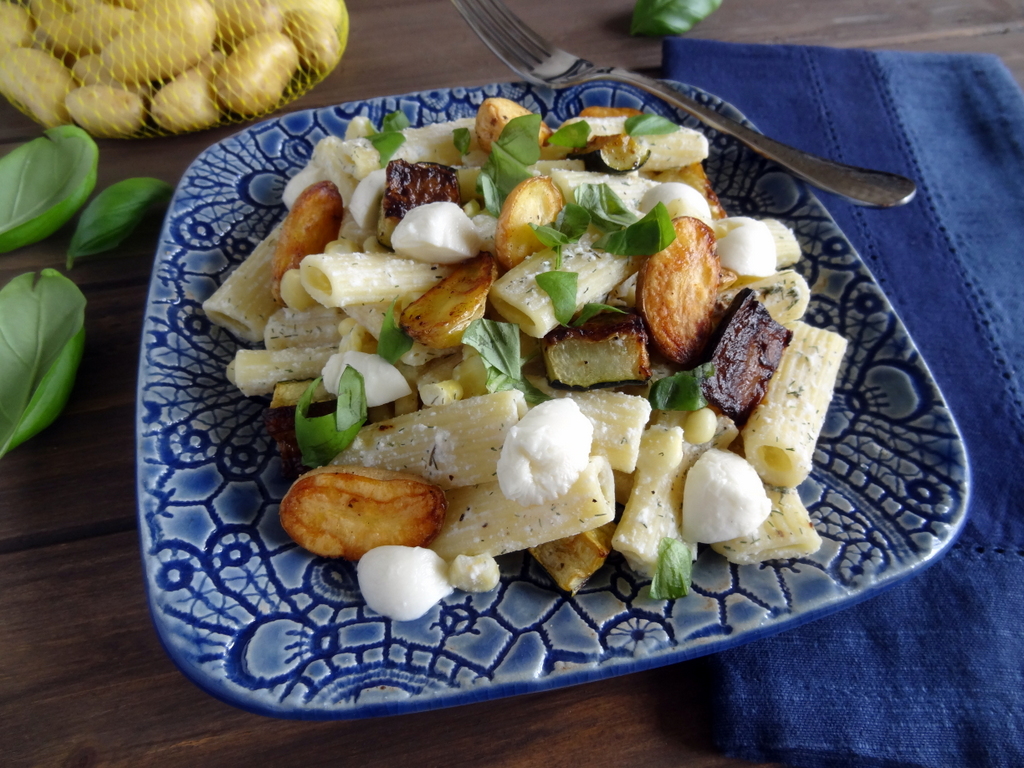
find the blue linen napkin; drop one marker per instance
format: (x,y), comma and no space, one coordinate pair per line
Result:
(930,673)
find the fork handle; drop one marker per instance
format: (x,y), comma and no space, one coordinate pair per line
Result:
(862,186)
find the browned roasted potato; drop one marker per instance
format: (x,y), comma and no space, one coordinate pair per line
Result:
(609,112)
(676,291)
(695,176)
(409,185)
(534,201)
(574,559)
(345,511)
(492,117)
(312,223)
(745,349)
(438,317)
(608,350)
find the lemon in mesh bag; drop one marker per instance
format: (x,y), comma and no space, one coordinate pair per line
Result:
(125,68)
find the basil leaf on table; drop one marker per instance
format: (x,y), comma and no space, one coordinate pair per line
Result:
(41,340)
(669,17)
(681,391)
(321,438)
(561,287)
(498,345)
(674,571)
(653,233)
(393,341)
(574,135)
(43,183)
(649,125)
(114,214)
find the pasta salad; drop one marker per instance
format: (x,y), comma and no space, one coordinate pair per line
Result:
(484,336)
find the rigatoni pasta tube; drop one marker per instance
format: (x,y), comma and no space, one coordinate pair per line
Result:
(314,327)
(780,436)
(244,303)
(788,532)
(340,279)
(619,420)
(424,443)
(256,371)
(481,521)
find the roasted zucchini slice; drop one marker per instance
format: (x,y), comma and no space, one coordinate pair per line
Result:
(574,559)
(409,185)
(608,350)
(745,349)
(614,154)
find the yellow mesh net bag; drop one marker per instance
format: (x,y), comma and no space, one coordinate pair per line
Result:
(132,68)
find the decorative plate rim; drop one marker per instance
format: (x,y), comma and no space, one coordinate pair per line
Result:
(216,677)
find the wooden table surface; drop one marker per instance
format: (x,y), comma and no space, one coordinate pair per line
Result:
(83,679)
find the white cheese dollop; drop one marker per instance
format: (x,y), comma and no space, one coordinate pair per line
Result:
(545,453)
(680,199)
(746,246)
(365,203)
(438,233)
(474,573)
(723,498)
(402,583)
(382,381)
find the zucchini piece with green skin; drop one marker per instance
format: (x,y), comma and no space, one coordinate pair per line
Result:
(574,559)
(608,350)
(614,154)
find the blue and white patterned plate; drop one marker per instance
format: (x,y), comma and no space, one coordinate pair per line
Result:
(264,625)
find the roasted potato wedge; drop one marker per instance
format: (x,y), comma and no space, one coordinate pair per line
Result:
(676,291)
(695,176)
(574,559)
(345,511)
(608,350)
(492,117)
(534,201)
(409,185)
(438,318)
(745,349)
(609,112)
(312,223)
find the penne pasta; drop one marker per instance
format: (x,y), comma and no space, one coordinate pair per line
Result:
(344,279)
(243,304)
(256,371)
(315,327)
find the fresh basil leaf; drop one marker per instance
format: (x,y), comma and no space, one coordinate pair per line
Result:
(674,571)
(592,310)
(669,17)
(551,238)
(607,212)
(653,233)
(574,135)
(460,138)
(41,338)
(649,125)
(114,213)
(573,221)
(682,391)
(318,437)
(393,341)
(498,345)
(561,287)
(394,121)
(386,144)
(516,148)
(43,183)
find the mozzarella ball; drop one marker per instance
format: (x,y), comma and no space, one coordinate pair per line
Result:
(680,199)
(746,246)
(723,498)
(545,453)
(402,583)
(438,233)
(365,203)
(382,381)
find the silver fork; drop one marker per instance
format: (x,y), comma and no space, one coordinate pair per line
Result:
(541,63)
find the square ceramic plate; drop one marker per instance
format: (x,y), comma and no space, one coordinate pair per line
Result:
(266,626)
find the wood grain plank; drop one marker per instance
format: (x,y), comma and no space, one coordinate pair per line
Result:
(84,681)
